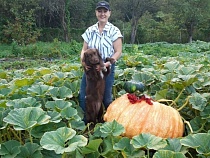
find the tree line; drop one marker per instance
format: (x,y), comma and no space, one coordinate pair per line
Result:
(140,21)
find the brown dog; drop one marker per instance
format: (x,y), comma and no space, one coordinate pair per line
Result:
(95,84)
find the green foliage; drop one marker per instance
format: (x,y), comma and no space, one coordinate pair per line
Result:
(40,114)
(21,28)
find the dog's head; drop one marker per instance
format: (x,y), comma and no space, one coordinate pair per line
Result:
(92,57)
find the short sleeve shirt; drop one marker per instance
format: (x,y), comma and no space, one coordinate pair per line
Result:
(104,41)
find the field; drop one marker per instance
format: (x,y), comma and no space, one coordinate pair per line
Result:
(40,115)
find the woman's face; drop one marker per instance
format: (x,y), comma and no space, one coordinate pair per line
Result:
(103,14)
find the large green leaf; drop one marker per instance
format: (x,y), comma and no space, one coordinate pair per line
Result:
(186,70)
(54,116)
(74,86)
(3,74)
(112,128)
(9,149)
(31,150)
(174,145)
(58,105)
(69,113)
(172,66)
(202,82)
(38,131)
(198,101)
(146,78)
(205,114)
(148,141)
(26,118)
(167,77)
(127,149)
(49,79)
(200,142)
(197,124)
(161,94)
(23,103)
(61,93)
(168,154)
(107,146)
(91,149)
(63,140)
(43,71)
(70,67)
(23,82)
(5,92)
(38,89)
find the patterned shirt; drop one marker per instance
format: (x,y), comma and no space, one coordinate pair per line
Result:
(104,41)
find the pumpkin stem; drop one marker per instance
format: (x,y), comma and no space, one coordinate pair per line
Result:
(185,104)
(188,123)
(167,101)
(177,98)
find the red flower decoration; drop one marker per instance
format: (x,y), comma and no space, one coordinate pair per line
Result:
(134,99)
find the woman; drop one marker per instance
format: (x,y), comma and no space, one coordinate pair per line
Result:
(107,38)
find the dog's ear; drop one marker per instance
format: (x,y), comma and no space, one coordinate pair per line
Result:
(85,57)
(100,59)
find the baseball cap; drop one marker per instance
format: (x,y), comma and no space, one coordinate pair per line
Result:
(103,4)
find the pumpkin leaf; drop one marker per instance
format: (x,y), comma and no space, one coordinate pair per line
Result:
(54,116)
(148,141)
(74,86)
(171,66)
(198,101)
(161,94)
(38,131)
(29,71)
(196,123)
(146,78)
(68,112)
(5,92)
(112,128)
(3,74)
(26,118)
(43,71)
(127,149)
(92,147)
(23,82)
(49,79)
(184,70)
(39,90)
(108,144)
(10,149)
(23,103)
(188,80)
(199,141)
(58,105)
(51,154)
(173,145)
(167,77)
(167,154)
(31,150)
(62,140)
(61,93)
(205,114)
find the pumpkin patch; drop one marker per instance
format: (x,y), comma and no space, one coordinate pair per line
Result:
(143,115)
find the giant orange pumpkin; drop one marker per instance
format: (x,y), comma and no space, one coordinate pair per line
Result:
(145,116)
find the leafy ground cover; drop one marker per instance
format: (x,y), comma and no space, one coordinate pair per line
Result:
(40,116)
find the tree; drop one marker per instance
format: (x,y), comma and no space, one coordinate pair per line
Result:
(21,24)
(55,14)
(133,10)
(189,13)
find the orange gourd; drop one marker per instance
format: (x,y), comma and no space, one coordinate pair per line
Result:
(145,116)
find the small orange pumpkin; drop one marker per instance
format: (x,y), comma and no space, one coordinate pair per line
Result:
(145,116)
